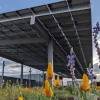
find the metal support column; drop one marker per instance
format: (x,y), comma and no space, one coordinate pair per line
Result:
(21,78)
(2,72)
(39,79)
(43,76)
(30,77)
(50,53)
(62,81)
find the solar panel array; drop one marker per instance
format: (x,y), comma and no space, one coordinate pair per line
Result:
(15,25)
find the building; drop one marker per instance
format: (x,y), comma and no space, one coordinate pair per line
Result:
(68,81)
(14,80)
(37,78)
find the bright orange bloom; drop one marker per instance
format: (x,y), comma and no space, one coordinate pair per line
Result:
(28,90)
(97,87)
(20,98)
(47,90)
(50,73)
(89,90)
(58,81)
(85,83)
(55,83)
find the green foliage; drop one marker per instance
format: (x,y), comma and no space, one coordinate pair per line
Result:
(70,88)
(60,87)
(13,91)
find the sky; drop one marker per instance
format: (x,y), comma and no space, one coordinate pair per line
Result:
(95,18)
(11,5)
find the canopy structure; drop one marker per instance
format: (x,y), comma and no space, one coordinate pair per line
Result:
(25,35)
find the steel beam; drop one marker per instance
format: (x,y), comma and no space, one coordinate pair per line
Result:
(57,11)
(72,31)
(66,10)
(78,18)
(30,78)
(45,34)
(10,58)
(42,64)
(38,27)
(2,73)
(21,77)
(75,39)
(22,41)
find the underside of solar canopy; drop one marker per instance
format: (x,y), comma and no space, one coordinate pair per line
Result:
(25,34)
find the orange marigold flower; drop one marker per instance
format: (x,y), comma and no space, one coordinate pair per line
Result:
(89,90)
(58,81)
(50,73)
(47,90)
(85,83)
(97,87)
(28,90)
(55,83)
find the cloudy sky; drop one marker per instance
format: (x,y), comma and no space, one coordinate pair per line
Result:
(10,5)
(95,4)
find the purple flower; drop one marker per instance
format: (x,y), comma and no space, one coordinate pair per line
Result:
(90,74)
(71,60)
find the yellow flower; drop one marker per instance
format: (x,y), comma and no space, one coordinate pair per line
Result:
(28,90)
(66,95)
(85,83)
(50,73)
(20,98)
(74,93)
(7,94)
(47,90)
